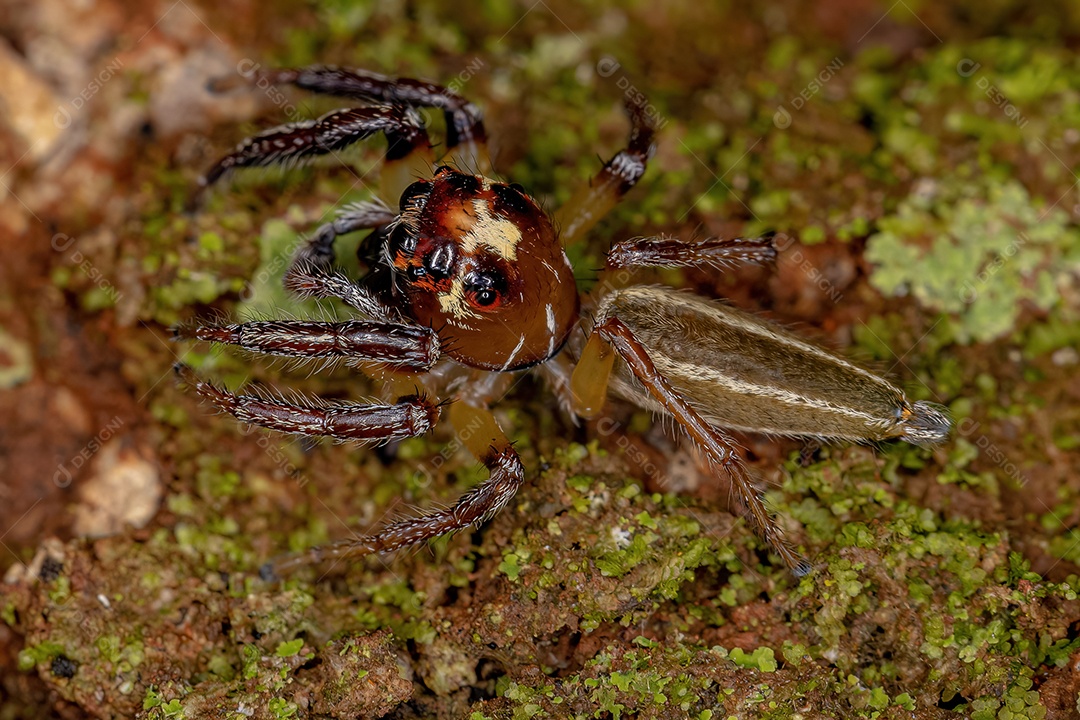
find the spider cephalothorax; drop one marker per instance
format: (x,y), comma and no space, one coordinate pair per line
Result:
(480,261)
(469,280)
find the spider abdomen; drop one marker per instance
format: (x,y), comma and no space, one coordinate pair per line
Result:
(742,372)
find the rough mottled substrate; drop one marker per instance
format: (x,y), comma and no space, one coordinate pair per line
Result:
(629,602)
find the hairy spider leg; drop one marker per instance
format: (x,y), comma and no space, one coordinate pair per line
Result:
(403,347)
(672,252)
(377,423)
(466,139)
(305,140)
(318,249)
(309,280)
(590,203)
(475,507)
(717,446)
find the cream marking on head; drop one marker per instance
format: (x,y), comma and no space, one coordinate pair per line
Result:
(452,301)
(499,235)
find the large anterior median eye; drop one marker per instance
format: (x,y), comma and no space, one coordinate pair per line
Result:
(485,289)
(485,298)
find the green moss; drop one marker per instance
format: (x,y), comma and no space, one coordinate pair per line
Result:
(34,655)
(899,147)
(281,708)
(509,566)
(289,648)
(761,658)
(617,563)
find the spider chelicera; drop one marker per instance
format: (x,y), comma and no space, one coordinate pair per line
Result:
(469,282)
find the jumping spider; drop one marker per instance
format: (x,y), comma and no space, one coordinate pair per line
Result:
(469,282)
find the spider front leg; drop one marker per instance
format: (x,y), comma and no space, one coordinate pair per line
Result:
(611,337)
(364,215)
(466,139)
(409,348)
(672,252)
(590,203)
(475,507)
(307,279)
(302,141)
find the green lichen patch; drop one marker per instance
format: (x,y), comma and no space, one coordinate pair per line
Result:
(976,251)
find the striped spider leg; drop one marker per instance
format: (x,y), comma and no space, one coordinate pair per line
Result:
(405,348)
(391,103)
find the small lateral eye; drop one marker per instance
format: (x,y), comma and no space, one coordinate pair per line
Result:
(518,187)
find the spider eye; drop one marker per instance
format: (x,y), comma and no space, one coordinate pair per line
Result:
(440,262)
(484,289)
(415,272)
(485,298)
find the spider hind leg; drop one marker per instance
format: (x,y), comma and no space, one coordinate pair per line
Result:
(506,475)
(716,445)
